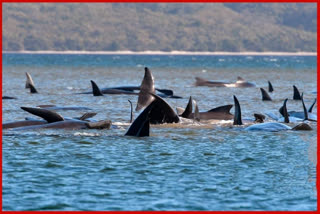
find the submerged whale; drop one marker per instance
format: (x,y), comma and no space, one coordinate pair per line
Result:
(148,81)
(240,83)
(218,113)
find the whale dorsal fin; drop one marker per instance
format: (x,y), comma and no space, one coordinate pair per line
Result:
(87,115)
(237,112)
(225,108)
(304,108)
(311,107)
(265,95)
(196,116)
(49,116)
(147,87)
(167,92)
(296,93)
(95,89)
(29,80)
(285,111)
(33,90)
(240,79)
(131,111)
(162,112)
(270,87)
(141,125)
(188,109)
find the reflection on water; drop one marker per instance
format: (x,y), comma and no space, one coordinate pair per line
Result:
(180,167)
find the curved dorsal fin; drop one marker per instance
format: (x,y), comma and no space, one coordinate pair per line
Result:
(311,107)
(196,116)
(188,109)
(147,87)
(285,111)
(304,108)
(33,90)
(225,108)
(270,87)
(49,116)
(240,79)
(296,93)
(265,95)
(29,80)
(95,89)
(141,125)
(131,111)
(237,112)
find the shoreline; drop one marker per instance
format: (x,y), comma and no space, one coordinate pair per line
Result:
(167,53)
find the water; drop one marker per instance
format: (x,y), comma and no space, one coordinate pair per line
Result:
(180,166)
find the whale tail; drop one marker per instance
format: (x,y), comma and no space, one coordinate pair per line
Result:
(270,87)
(311,107)
(265,95)
(95,89)
(188,109)
(237,112)
(296,93)
(147,87)
(49,116)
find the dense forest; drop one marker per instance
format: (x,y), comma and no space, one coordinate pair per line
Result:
(289,27)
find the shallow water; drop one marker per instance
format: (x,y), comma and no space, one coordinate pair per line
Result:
(181,166)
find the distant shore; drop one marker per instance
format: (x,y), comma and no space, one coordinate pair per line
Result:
(168,53)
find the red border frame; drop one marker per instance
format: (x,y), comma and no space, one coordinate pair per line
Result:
(176,1)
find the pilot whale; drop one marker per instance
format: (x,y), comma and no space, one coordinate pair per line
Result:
(133,90)
(55,120)
(218,113)
(240,83)
(268,126)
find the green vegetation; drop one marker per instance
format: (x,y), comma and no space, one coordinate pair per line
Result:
(287,27)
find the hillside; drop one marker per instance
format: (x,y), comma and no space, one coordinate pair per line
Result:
(147,26)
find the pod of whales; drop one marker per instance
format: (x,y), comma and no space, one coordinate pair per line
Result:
(268,126)
(158,111)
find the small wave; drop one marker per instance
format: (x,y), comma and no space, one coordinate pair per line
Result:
(86,134)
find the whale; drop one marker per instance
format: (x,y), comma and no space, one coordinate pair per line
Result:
(265,95)
(64,108)
(148,81)
(218,113)
(52,119)
(240,83)
(8,98)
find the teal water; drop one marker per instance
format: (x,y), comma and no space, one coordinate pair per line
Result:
(200,166)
